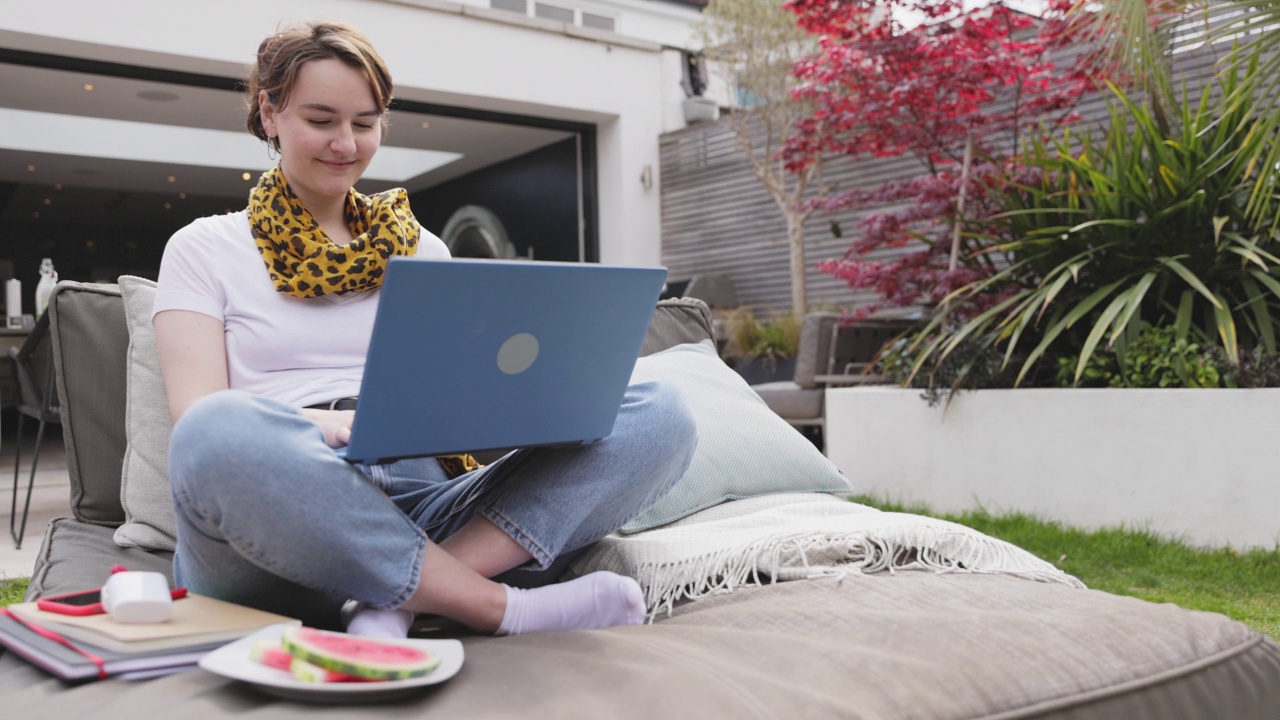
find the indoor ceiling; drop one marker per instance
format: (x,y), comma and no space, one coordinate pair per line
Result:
(77,146)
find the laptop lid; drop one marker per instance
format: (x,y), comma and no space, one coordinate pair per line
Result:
(472,355)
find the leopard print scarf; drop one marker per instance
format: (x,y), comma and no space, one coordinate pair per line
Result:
(301,259)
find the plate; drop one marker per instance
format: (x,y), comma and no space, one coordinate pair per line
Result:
(233,661)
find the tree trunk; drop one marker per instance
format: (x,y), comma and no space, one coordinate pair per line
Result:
(795,239)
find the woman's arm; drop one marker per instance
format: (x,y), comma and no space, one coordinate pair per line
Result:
(193,361)
(193,357)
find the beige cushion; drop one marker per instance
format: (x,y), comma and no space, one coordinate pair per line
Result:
(744,448)
(913,644)
(144,484)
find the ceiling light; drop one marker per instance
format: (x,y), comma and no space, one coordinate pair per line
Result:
(425,124)
(57,186)
(173,179)
(182,196)
(158,95)
(246,176)
(168,206)
(48,201)
(36,214)
(31,168)
(88,86)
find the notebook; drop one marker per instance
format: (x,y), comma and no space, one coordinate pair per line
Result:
(475,355)
(75,663)
(197,621)
(76,647)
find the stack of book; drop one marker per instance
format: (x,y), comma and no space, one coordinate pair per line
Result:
(95,646)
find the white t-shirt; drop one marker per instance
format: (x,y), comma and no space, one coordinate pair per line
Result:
(300,351)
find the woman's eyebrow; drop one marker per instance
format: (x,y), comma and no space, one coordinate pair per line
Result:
(326,108)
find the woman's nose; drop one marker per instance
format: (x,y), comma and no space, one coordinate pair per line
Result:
(344,141)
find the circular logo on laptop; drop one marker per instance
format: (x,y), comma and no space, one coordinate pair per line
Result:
(517,353)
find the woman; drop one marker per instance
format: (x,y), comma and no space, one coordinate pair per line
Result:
(262,320)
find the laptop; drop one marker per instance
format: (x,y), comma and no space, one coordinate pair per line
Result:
(475,355)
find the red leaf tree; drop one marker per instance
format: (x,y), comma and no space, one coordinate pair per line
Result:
(954,92)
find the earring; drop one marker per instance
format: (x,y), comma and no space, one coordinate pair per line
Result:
(273,150)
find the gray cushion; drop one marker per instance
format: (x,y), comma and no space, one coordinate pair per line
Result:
(790,401)
(744,448)
(76,556)
(144,481)
(677,321)
(90,342)
(814,349)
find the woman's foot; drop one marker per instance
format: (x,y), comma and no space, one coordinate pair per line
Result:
(599,600)
(368,622)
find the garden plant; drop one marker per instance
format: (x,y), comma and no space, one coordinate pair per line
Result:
(1045,251)
(756,346)
(1146,226)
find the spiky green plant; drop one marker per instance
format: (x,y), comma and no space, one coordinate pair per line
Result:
(1137,37)
(1140,225)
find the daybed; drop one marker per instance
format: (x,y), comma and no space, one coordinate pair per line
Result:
(872,615)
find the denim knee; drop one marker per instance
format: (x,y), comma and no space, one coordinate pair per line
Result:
(669,420)
(218,429)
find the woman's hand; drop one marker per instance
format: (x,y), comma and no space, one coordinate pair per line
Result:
(335,424)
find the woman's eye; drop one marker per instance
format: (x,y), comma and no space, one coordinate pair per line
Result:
(319,123)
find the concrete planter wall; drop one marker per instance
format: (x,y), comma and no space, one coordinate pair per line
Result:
(1202,465)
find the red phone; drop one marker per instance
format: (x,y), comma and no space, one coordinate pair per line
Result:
(86,602)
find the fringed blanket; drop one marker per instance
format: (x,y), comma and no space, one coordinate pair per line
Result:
(796,537)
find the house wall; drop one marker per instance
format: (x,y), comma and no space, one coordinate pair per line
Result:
(461,55)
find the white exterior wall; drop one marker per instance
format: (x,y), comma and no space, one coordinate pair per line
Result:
(441,52)
(1194,464)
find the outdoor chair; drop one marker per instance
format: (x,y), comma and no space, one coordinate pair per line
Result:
(829,353)
(38,400)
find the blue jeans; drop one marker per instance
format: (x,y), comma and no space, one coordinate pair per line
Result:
(268,515)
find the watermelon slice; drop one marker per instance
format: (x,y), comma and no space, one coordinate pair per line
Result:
(306,672)
(272,654)
(359,657)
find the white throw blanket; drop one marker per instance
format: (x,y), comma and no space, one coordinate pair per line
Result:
(795,537)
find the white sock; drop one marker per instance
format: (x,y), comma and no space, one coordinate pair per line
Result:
(368,622)
(599,600)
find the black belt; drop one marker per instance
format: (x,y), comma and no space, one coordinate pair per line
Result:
(346,403)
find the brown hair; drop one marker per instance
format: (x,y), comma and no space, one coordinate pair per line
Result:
(283,54)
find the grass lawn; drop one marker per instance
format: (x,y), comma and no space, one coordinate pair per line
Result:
(11,590)
(1241,585)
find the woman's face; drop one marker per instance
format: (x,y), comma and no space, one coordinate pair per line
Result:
(329,129)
